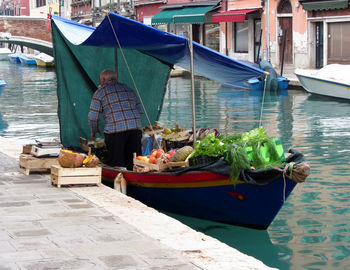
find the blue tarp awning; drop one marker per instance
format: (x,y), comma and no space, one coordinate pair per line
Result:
(164,46)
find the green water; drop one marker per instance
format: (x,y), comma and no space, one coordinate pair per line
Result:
(312,230)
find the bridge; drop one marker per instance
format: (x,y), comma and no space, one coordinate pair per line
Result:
(33,43)
(30,32)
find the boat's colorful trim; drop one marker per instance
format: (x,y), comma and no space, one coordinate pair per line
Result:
(208,195)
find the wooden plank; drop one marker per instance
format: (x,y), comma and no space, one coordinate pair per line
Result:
(27,171)
(82,171)
(75,180)
(177,164)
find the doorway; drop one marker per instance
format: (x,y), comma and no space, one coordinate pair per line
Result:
(285,40)
(285,32)
(319,44)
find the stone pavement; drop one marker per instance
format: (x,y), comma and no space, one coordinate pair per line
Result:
(90,228)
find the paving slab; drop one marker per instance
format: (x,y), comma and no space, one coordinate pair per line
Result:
(45,227)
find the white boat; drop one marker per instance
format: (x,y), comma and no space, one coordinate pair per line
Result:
(44,60)
(4,52)
(332,80)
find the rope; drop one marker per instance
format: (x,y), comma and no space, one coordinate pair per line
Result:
(263,100)
(131,76)
(288,167)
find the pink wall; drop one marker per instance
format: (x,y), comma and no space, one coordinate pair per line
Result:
(24,7)
(147,11)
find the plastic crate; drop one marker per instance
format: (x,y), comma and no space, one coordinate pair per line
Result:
(176,144)
(201,160)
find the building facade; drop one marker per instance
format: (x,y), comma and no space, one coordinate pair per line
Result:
(328,32)
(14,8)
(304,33)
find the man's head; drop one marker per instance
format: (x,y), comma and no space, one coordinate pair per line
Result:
(107,75)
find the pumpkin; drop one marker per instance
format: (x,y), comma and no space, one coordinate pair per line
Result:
(91,161)
(70,159)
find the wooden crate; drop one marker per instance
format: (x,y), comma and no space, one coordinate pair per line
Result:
(27,149)
(28,163)
(73,176)
(142,166)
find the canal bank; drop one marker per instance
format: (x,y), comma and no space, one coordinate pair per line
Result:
(95,228)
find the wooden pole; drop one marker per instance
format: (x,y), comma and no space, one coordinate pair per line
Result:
(190,44)
(283,47)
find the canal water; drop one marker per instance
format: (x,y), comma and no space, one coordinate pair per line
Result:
(312,230)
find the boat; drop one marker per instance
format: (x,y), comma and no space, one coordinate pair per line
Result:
(44,60)
(14,57)
(257,84)
(332,80)
(4,52)
(27,59)
(137,52)
(2,86)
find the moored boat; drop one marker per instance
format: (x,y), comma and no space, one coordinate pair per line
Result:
(331,80)
(208,195)
(27,59)
(14,57)
(44,60)
(4,52)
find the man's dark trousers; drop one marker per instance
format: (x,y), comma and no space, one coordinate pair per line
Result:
(121,146)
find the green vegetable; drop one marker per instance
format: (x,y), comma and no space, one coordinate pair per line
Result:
(253,148)
(209,146)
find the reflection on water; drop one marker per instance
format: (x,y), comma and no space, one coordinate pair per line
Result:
(28,104)
(312,230)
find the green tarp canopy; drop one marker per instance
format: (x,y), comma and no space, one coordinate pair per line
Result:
(182,15)
(78,68)
(324,5)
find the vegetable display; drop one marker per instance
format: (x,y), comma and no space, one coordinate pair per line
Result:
(249,150)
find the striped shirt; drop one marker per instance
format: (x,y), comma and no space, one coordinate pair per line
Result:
(119,105)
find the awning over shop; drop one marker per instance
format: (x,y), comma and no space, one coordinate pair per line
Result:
(324,5)
(182,15)
(233,15)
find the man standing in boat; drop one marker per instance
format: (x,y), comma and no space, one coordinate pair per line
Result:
(122,114)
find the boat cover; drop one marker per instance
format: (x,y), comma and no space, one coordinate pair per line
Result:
(82,52)
(258,177)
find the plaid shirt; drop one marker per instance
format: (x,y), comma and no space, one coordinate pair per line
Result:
(120,107)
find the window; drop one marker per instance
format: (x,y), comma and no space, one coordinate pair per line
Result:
(40,3)
(241,37)
(338,42)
